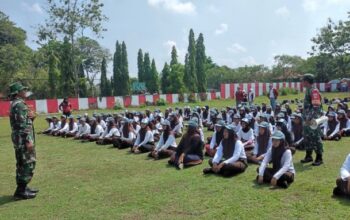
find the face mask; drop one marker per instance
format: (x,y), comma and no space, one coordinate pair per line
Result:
(28,93)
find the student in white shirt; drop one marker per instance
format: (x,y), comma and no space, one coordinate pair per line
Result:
(297,131)
(331,128)
(230,158)
(70,128)
(144,139)
(282,172)
(175,125)
(127,135)
(57,125)
(96,130)
(344,126)
(215,139)
(343,182)
(63,125)
(167,143)
(246,135)
(109,134)
(83,130)
(262,144)
(51,125)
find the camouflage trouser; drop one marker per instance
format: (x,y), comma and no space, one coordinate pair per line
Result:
(25,165)
(312,139)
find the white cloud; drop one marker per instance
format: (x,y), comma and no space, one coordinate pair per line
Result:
(213,9)
(237,48)
(311,5)
(222,29)
(249,61)
(176,6)
(36,8)
(282,11)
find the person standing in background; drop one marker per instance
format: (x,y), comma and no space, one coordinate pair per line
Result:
(273,95)
(65,107)
(251,97)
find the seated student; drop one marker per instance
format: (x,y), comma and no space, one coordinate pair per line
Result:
(282,172)
(343,182)
(297,131)
(51,126)
(262,144)
(155,132)
(281,125)
(344,126)
(199,129)
(83,130)
(96,130)
(70,127)
(63,126)
(72,132)
(176,126)
(144,139)
(246,135)
(215,139)
(127,135)
(331,128)
(230,158)
(189,152)
(57,125)
(110,133)
(101,122)
(167,143)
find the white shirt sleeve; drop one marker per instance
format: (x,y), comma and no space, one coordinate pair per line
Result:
(218,155)
(75,128)
(236,154)
(336,130)
(287,160)
(213,140)
(169,142)
(265,162)
(160,143)
(148,138)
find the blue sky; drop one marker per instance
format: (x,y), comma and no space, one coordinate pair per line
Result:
(236,32)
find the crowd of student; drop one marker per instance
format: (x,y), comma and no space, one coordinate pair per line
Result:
(245,134)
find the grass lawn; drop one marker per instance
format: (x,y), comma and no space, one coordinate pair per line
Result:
(86,181)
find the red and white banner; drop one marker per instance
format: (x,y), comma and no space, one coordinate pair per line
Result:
(227,91)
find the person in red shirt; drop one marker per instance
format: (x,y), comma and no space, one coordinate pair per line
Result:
(65,107)
(239,96)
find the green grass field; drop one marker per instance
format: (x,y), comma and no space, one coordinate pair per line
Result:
(86,181)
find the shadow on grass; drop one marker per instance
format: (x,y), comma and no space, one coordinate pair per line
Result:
(6,199)
(299,167)
(342,200)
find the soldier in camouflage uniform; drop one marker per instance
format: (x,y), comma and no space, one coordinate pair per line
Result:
(312,137)
(21,119)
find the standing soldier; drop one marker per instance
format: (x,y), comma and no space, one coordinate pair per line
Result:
(21,119)
(312,110)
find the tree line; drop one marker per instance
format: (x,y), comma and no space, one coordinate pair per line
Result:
(68,63)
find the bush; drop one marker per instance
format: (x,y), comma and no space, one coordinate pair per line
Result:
(203,97)
(161,102)
(181,98)
(118,106)
(192,98)
(149,103)
(287,91)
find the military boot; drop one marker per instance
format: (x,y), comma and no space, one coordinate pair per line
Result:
(23,193)
(318,160)
(308,157)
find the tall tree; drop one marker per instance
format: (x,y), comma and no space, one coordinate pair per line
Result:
(154,79)
(176,78)
(70,19)
(125,81)
(54,75)
(190,76)
(173,56)
(117,74)
(141,69)
(147,71)
(200,64)
(82,82)
(165,83)
(67,77)
(104,80)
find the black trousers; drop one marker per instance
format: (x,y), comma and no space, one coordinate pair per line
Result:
(342,188)
(229,170)
(268,175)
